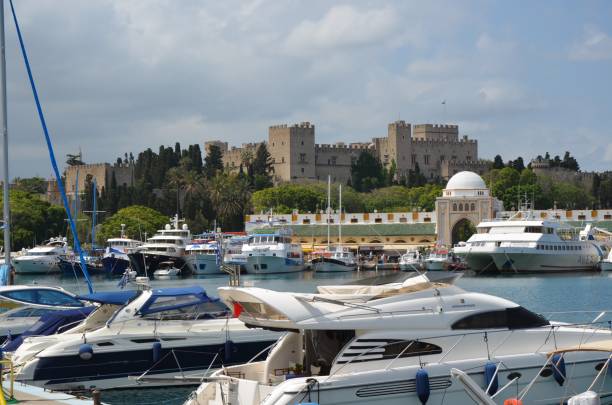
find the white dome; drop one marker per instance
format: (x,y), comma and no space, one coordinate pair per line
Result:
(466,181)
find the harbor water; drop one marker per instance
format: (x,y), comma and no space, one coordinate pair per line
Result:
(577,297)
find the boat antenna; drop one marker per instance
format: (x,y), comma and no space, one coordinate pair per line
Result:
(43,123)
(3,120)
(328,207)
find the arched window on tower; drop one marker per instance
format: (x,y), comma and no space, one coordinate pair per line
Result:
(454,206)
(460,207)
(472,207)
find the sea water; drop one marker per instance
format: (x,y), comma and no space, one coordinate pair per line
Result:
(577,297)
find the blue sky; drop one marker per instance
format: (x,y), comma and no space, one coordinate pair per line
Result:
(522,77)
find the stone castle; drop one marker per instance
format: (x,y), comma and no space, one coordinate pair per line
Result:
(438,150)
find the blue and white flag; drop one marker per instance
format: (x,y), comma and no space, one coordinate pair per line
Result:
(124,280)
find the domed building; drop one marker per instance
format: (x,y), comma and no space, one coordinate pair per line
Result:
(465,202)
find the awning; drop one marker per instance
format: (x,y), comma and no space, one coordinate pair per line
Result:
(110,297)
(167,299)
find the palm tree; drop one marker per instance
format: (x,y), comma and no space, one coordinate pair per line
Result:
(230,196)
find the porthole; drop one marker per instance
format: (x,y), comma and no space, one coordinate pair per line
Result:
(547,372)
(514,375)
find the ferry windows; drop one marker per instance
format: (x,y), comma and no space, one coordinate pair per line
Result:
(533,229)
(511,318)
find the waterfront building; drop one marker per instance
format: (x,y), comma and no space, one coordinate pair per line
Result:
(437,150)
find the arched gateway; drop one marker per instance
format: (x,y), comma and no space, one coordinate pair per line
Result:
(465,202)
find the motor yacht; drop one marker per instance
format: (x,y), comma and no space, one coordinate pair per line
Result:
(527,244)
(115,258)
(43,258)
(399,348)
(606,264)
(160,333)
(338,259)
(437,260)
(21,306)
(167,244)
(411,261)
(273,253)
(204,256)
(166,269)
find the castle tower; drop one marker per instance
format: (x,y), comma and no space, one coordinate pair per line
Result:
(292,149)
(398,146)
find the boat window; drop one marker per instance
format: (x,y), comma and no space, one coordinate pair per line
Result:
(384,349)
(29,312)
(205,310)
(511,318)
(507,229)
(260,310)
(43,297)
(322,346)
(533,229)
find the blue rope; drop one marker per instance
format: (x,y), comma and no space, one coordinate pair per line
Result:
(60,185)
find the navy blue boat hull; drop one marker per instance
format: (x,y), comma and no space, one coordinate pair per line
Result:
(114,265)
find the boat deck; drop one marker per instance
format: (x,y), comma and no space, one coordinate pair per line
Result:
(24,393)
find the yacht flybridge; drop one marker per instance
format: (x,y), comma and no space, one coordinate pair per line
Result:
(373,346)
(168,245)
(527,244)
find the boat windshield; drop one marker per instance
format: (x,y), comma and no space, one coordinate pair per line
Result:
(40,296)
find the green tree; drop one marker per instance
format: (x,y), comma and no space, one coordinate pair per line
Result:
(230,196)
(137,219)
(498,162)
(213,162)
(367,172)
(34,185)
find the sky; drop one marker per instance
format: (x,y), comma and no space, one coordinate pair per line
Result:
(115,76)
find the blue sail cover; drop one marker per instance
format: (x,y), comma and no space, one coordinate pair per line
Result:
(166,299)
(110,297)
(49,323)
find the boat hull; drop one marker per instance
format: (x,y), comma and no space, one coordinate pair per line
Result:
(408,266)
(328,265)
(435,265)
(70,268)
(479,262)
(203,264)
(510,261)
(36,265)
(605,265)
(138,260)
(115,265)
(273,265)
(117,369)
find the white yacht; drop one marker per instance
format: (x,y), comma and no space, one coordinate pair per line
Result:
(273,253)
(411,261)
(380,348)
(43,258)
(160,333)
(527,244)
(606,264)
(115,259)
(204,256)
(167,244)
(437,260)
(333,260)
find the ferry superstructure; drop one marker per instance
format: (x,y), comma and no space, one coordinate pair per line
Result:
(530,245)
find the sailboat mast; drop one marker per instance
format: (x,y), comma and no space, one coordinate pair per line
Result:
(340,219)
(328,207)
(3,121)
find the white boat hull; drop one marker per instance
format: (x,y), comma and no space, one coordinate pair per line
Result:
(605,265)
(36,265)
(273,264)
(511,260)
(435,265)
(325,266)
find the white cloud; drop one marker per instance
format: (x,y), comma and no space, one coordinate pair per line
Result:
(341,27)
(595,45)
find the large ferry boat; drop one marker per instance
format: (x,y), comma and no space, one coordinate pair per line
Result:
(527,244)
(204,256)
(273,253)
(168,245)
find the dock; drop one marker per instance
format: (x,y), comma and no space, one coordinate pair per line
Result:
(29,394)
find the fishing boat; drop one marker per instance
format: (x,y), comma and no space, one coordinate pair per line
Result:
(399,348)
(525,244)
(115,258)
(167,244)
(42,259)
(437,260)
(159,333)
(273,253)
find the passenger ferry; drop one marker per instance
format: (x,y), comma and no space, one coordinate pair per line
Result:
(204,256)
(526,244)
(273,253)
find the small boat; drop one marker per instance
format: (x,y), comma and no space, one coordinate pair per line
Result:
(167,269)
(437,260)
(273,253)
(42,259)
(71,266)
(340,259)
(411,261)
(606,264)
